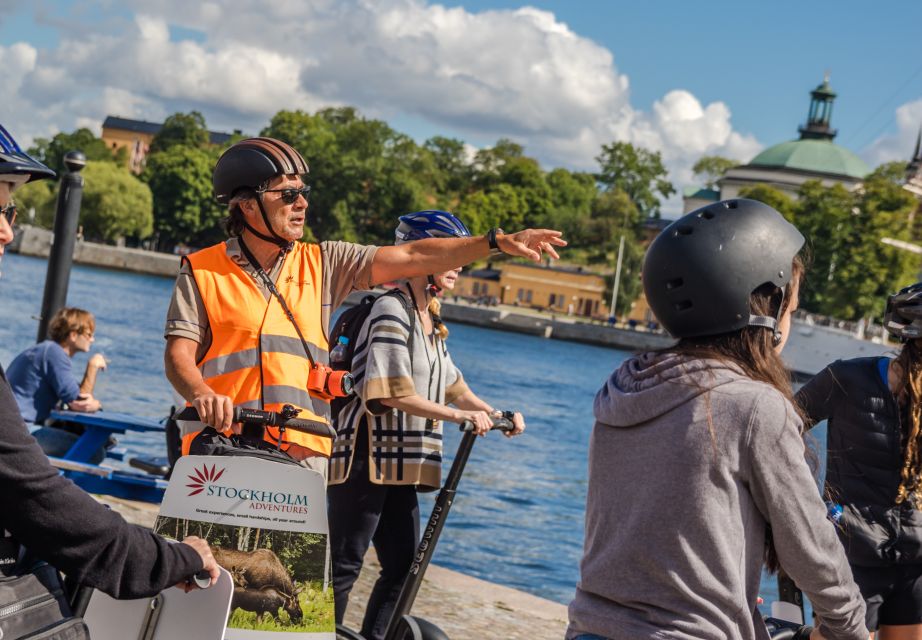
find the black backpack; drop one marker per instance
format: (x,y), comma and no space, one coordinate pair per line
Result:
(349,324)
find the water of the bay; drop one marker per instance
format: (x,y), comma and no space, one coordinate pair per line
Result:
(518,517)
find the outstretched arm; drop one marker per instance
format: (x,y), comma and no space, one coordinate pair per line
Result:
(436,255)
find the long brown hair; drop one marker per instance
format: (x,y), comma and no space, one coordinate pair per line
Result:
(909,364)
(753,350)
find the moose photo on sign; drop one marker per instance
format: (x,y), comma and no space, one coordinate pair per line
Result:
(279,576)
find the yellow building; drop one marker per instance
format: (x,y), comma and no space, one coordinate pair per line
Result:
(136,136)
(570,290)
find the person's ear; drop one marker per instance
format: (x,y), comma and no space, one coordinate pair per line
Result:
(249,207)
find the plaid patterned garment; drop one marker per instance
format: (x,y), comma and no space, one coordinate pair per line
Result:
(403,449)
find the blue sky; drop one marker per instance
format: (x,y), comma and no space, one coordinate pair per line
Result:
(562,78)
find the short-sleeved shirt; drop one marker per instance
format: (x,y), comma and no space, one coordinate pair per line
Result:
(403,448)
(346,268)
(41,377)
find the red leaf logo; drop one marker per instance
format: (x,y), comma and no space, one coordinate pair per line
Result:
(202,476)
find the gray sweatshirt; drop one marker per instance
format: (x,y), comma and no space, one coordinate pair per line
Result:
(689,463)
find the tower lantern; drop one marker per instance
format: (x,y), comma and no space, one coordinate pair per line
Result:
(820,114)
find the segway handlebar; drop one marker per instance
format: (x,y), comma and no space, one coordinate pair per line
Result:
(284,419)
(503,423)
(783,630)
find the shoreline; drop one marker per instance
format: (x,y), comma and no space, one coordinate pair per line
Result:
(810,348)
(461,605)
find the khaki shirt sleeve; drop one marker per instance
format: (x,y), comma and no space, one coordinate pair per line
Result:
(186,316)
(346,268)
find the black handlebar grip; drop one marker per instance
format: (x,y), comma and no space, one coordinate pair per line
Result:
(202,579)
(267,418)
(312,427)
(500,424)
(186,413)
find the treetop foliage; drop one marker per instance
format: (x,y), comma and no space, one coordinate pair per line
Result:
(364,174)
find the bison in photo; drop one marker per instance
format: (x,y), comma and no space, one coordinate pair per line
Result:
(255,569)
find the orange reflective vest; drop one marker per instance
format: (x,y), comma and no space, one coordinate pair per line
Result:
(256,357)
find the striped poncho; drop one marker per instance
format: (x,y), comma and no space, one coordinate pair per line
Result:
(403,449)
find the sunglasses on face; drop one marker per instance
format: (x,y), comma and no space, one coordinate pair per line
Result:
(9,212)
(290,195)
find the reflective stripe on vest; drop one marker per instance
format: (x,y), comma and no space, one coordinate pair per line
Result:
(256,356)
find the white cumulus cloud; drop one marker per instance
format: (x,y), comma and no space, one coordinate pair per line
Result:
(900,145)
(521,74)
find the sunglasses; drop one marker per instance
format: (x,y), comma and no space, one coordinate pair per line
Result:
(290,195)
(9,212)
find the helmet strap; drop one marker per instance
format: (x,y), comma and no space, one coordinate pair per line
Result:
(274,238)
(770,323)
(433,288)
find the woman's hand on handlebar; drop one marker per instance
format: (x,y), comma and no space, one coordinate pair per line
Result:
(480,419)
(214,409)
(518,422)
(209,564)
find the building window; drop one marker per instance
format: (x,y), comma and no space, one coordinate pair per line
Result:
(476,288)
(520,295)
(552,300)
(528,296)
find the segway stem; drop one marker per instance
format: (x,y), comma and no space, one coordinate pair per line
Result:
(433,530)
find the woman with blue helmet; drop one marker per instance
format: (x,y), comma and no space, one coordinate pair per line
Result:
(389,442)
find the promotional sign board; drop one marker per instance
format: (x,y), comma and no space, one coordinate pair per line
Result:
(266,523)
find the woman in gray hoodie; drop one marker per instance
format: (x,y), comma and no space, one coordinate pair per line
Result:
(697,472)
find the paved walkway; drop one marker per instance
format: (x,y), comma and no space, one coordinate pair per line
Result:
(465,608)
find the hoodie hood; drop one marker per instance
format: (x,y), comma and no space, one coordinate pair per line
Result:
(650,385)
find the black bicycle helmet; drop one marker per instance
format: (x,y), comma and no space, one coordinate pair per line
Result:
(903,316)
(17,165)
(700,272)
(249,165)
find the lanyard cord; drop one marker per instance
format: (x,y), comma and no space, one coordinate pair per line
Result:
(274,291)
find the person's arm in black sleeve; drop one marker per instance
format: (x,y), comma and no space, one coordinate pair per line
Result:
(816,398)
(63,525)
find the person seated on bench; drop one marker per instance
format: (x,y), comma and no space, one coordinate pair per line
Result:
(41,379)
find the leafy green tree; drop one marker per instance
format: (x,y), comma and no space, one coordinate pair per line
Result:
(454,170)
(39,196)
(184,206)
(712,168)
(852,270)
(502,206)
(775,198)
(51,151)
(184,129)
(636,171)
(115,203)
(363,173)
(572,195)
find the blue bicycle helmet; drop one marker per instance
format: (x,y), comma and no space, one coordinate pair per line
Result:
(429,224)
(16,166)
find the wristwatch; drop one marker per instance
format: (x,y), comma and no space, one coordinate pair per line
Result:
(491,239)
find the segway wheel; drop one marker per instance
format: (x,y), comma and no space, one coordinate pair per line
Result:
(342,633)
(410,628)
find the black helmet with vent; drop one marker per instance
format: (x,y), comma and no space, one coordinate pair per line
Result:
(903,316)
(700,272)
